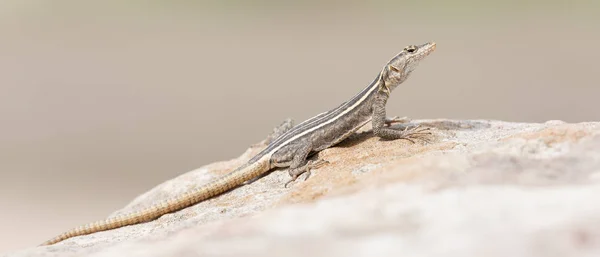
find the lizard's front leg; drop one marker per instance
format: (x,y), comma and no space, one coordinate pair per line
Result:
(379,121)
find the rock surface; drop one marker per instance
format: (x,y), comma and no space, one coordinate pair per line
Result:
(478,188)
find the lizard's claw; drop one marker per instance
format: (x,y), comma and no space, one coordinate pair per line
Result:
(290,181)
(416,132)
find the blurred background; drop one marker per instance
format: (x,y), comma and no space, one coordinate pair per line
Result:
(102,100)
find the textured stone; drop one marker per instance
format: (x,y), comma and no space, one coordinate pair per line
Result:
(478,188)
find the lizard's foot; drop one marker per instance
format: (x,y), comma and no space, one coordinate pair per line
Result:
(396,119)
(295,173)
(416,132)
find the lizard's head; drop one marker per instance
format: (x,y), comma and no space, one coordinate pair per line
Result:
(398,69)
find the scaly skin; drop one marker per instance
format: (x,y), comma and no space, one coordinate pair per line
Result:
(214,188)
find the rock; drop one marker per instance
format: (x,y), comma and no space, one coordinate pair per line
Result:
(478,188)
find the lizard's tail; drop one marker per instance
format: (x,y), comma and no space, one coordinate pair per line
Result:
(214,188)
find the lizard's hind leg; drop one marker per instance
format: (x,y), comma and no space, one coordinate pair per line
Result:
(300,165)
(285,126)
(295,173)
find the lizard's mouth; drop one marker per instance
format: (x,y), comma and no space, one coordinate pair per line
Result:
(425,50)
(428,48)
(433,46)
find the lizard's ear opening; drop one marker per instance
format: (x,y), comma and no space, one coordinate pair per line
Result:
(393,68)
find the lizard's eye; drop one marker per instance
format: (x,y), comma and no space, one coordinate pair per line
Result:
(410,49)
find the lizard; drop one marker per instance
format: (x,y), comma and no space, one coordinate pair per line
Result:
(292,148)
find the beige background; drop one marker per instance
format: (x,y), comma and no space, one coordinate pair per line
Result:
(101,102)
